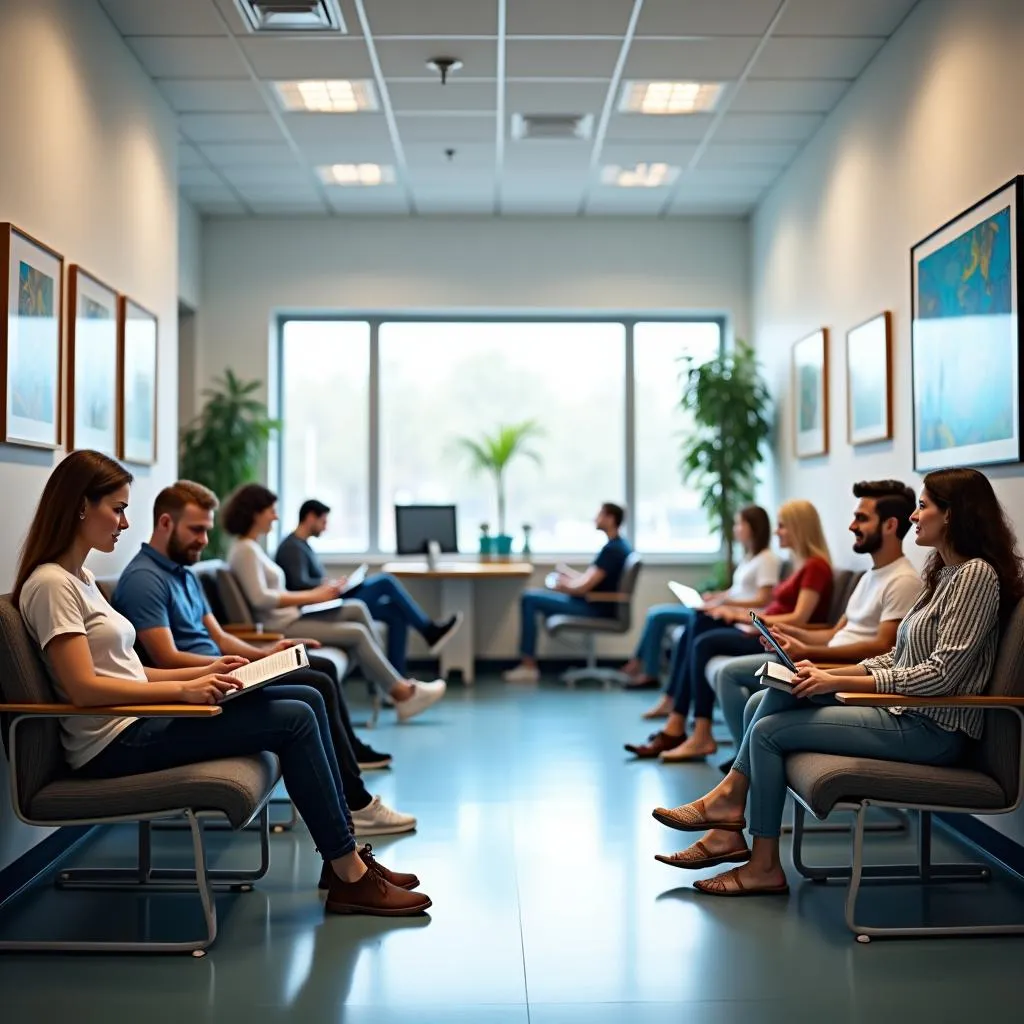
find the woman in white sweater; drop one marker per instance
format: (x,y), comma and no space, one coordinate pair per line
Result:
(248,516)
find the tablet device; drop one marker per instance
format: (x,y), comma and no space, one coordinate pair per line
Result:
(760,626)
(357,578)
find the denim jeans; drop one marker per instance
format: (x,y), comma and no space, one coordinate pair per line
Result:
(734,685)
(391,603)
(289,721)
(689,680)
(784,725)
(547,603)
(659,618)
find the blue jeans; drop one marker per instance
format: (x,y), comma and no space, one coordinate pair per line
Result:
(547,603)
(785,725)
(688,676)
(287,720)
(391,603)
(659,618)
(734,685)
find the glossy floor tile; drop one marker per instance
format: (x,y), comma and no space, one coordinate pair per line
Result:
(536,844)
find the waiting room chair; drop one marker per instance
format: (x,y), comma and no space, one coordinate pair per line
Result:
(990,781)
(591,628)
(46,793)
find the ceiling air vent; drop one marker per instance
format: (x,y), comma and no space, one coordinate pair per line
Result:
(552,127)
(291,15)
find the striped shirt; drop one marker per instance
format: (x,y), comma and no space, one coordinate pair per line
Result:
(946,645)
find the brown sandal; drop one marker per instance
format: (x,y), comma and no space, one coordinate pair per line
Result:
(693,818)
(718,886)
(699,856)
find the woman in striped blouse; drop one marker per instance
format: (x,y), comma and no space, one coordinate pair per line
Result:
(945,646)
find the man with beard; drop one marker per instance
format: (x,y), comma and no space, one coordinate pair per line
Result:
(884,594)
(176,629)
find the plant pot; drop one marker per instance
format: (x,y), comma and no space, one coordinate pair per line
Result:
(486,546)
(502,545)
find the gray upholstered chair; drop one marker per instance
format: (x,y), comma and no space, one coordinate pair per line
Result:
(45,792)
(591,628)
(990,781)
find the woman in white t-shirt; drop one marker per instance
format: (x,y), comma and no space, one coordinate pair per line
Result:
(89,652)
(752,583)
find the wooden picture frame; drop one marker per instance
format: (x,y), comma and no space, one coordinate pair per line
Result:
(967,335)
(92,363)
(31,340)
(138,347)
(869,380)
(810,395)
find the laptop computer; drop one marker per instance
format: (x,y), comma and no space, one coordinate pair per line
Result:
(686,595)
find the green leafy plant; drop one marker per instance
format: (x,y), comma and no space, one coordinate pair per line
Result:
(223,446)
(492,453)
(731,410)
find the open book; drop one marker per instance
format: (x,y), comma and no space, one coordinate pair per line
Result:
(257,674)
(775,675)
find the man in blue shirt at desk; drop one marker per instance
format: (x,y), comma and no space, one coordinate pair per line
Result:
(568,595)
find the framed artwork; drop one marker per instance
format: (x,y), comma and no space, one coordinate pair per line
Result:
(869,380)
(965,285)
(810,386)
(137,348)
(30,340)
(92,363)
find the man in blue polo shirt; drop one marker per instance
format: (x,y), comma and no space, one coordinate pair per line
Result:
(176,628)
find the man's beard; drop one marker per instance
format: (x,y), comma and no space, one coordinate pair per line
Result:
(180,554)
(868,543)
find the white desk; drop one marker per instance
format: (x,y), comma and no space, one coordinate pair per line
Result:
(457,582)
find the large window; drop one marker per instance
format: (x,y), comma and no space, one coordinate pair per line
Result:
(373,410)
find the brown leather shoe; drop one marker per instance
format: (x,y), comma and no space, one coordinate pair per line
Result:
(656,743)
(375,896)
(402,879)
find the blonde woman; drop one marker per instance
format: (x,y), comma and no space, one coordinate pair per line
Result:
(801,599)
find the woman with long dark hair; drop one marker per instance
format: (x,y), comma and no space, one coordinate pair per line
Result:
(89,652)
(945,646)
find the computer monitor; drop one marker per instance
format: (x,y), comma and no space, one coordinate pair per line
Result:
(416,525)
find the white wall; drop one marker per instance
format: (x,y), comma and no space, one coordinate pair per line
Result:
(253,269)
(190,254)
(88,167)
(932,127)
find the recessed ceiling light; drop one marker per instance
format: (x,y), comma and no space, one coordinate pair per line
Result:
(338,96)
(357,175)
(669,97)
(641,176)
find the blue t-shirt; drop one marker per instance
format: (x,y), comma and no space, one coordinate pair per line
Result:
(611,558)
(153,591)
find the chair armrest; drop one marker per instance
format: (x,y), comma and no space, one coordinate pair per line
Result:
(889,700)
(606,597)
(250,633)
(115,711)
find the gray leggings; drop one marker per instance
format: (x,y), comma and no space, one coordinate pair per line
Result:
(349,627)
(783,725)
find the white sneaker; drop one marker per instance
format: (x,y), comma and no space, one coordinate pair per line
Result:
(377,819)
(521,674)
(424,694)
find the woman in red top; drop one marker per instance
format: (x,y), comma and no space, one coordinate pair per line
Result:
(801,599)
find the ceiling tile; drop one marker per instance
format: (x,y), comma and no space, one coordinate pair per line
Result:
(204,95)
(420,18)
(546,157)
(455,183)
(842,18)
(476,96)
(151,18)
(446,131)
(682,128)
(740,208)
(367,201)
(188,57)
(231,15)
(792,96)
(547,18)
(556,97)
(738,177)
(768,127)
(563,58)
(629,154)
(698,17)
(549,203)
(191,176)
(234,154)
(290,59)
(467,155)
(327,129)
(407,58)
(257,174)
(213,193)
(287,208)
(638,201)
(471,200)
(214,208)
(279,193)
(808,57)
(229,127)
(189,156)
(768,154)
(709,60)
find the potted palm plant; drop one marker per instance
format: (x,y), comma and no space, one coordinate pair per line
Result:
(731,411)
(492,453)
(223,446)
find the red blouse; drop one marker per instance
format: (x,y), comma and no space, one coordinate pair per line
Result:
(815,574)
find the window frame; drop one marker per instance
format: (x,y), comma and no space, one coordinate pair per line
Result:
(376,319)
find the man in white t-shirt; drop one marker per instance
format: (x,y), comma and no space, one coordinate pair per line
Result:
(884,594)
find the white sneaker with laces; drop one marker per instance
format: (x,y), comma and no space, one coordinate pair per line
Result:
(424,695)
(521,674)
(377,819)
